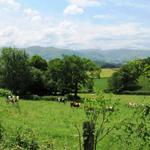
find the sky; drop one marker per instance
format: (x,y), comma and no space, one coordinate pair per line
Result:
(76,24)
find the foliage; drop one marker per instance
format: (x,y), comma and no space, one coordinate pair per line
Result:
(99,112)
(69,74)
(127,77)
(38,85)
(33,76)
(136,130)
(38,62)
(25,139)
(1,132)
(5,92)
(14,70)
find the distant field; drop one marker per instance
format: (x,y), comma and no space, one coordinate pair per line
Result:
(100,84)
(106,73)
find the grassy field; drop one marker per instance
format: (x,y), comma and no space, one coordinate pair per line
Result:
(55,122)
(102,83)
(106,73)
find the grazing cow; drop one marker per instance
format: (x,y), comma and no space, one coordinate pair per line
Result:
(75,104)
(12,99)
(110,108)
(61,99)
(132,105)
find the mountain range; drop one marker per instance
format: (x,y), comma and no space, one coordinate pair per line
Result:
(108,56)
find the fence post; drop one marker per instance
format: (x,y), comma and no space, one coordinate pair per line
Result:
(88,135)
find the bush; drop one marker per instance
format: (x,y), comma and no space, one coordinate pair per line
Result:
(5,92)
(73,98)
(32,97)
(25,140)
(49,98)
(1,132)
(136,92)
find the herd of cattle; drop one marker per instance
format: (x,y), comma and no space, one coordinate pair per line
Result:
(13,99)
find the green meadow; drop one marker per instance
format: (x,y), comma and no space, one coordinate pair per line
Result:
(54,124)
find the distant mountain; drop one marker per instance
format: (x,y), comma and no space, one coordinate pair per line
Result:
(107,56)
(110,56)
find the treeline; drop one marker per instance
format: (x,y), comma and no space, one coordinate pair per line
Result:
(104,64)
(126,79)
(25,75)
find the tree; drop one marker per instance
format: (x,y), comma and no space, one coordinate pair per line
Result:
(127,77)
(146,68)
(15,72)
(69,74)
(38,84)
(75,74)
(54,76)
(116,83)
(38,62)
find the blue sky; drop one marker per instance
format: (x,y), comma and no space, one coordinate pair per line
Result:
(75,24)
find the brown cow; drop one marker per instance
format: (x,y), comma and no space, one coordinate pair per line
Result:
(74,104)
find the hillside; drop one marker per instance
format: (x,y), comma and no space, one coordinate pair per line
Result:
(114,56)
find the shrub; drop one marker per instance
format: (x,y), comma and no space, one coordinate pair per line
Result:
(49,98)
(73,98)
(24,139)
(136,92)
(5,92)
(32,97)
(1,132)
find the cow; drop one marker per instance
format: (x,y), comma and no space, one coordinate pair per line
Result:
(74,104)
(110,108)
(12,99)
(61,99)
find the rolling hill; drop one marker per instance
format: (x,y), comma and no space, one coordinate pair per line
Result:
(110,56)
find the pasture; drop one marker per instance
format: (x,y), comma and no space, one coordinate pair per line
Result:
(107,72)
(55,122)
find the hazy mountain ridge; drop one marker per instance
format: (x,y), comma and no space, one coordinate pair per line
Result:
(115,56)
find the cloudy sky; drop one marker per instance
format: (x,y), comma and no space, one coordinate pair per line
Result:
(75,24)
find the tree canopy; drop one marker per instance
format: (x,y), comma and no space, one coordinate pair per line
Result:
(24,75)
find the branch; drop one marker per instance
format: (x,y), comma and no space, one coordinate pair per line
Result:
(80,142)
(109,130)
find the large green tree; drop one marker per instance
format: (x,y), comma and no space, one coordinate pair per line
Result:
(127,77)
(54,76)
(69,74)
(15,72)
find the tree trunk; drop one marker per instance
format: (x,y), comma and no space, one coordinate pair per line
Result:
(76,90)
(88,135)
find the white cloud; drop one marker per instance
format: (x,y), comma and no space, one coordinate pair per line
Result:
(67,34)
(16,29)
(32,14)
(78,6)
(85,3)
(105,16)
(73,10)
(10,4)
